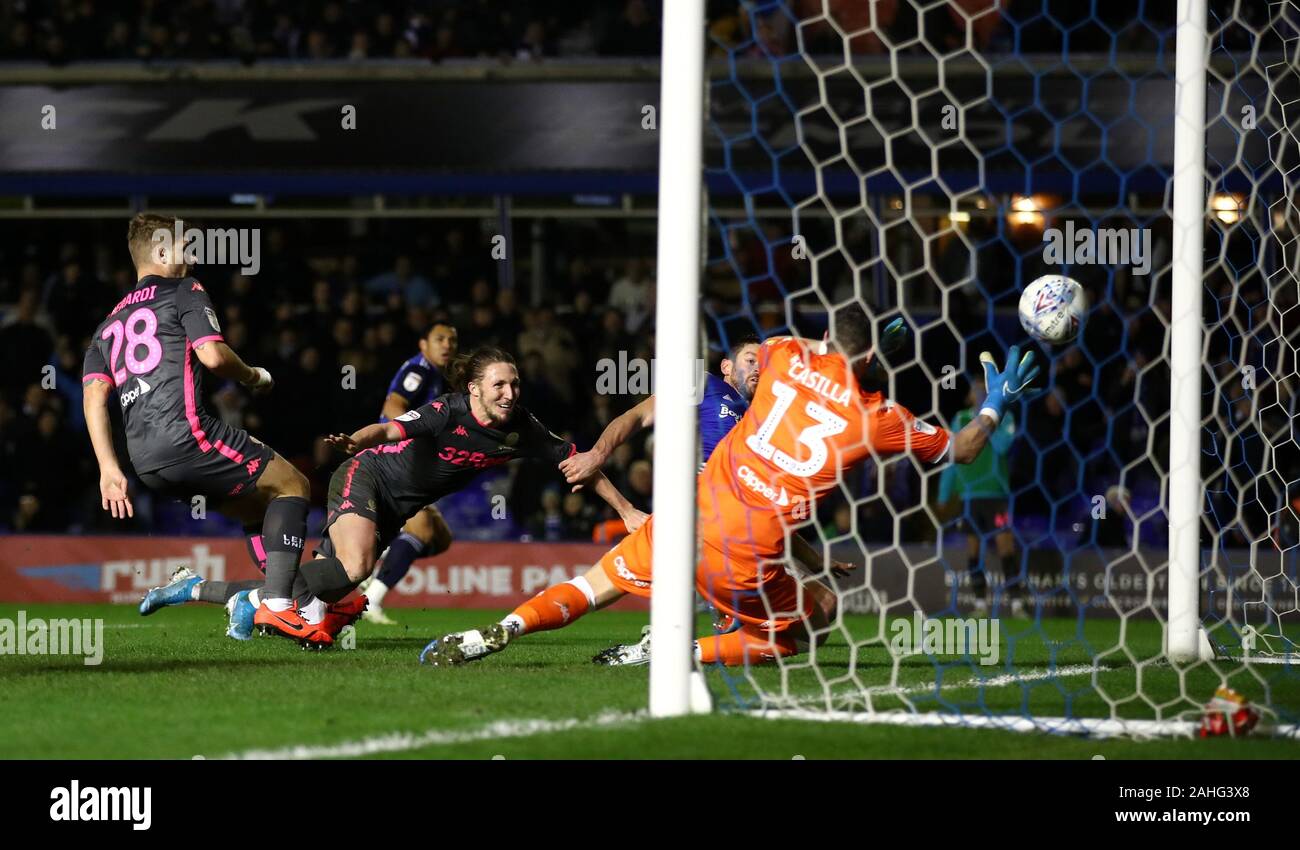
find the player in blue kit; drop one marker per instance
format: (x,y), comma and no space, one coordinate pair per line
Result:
(722,406)
(418,382)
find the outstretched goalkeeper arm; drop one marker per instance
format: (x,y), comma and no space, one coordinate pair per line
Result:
(1005,388)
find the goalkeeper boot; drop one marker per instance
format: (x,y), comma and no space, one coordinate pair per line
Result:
(290,624)
(627,654)
(178,590)
(241,612)
(462,647)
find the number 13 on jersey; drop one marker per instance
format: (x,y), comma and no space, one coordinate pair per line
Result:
(813,437)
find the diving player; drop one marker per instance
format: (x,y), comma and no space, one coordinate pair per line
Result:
(814,416)
(418,382)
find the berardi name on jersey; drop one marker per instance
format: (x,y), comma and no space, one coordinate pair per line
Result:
(802,373)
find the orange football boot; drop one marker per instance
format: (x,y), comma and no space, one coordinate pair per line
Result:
(290,624)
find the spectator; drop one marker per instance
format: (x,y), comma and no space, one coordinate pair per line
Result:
(548,522)
(403,280)
(556,345)
(640,485)
(25,346)
(631,293)
(633,33)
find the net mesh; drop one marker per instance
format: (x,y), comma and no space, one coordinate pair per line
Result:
(922,159)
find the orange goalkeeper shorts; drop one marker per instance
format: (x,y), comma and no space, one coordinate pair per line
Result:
(734,577)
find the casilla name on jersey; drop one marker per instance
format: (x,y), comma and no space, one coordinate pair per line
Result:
(801,373)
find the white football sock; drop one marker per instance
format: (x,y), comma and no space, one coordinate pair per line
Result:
(278,604)
(376,592)
(314,611)
(514,624)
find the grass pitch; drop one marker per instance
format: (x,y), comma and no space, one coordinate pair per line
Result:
(172,686)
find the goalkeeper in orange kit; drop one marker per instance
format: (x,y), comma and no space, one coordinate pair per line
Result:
(819,411)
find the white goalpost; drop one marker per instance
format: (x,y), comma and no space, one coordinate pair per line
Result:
(905,160)
(677,333)
(1185,490)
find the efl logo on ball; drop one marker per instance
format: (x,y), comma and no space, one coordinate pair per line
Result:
(1052,309)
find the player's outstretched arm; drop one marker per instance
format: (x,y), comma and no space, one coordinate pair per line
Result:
(1005,388)
(222,360)
(631,517)
(581,466)
(366,438)
(112,482)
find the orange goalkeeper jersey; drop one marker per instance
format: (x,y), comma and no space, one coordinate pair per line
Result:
(807,423)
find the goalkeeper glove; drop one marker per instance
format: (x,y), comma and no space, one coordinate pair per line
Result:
(1009,385)
(892,339)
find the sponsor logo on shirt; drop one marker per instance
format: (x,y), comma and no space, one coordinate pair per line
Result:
(751,480)
(140,389)
(412,382)
(212,318)
(409,416)
(922,427)
(460,431)
(727,411)
(620,566)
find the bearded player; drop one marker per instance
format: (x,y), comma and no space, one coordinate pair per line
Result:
(814,416)
(399,467)
(419,381)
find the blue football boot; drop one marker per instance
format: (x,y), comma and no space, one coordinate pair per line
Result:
(241,616)
(177,591)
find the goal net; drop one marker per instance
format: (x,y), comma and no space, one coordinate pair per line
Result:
(929,160)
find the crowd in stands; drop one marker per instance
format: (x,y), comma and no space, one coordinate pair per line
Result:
(63,31)
(337,307)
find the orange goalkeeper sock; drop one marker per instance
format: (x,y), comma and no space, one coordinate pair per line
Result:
(553,608)
(744,646)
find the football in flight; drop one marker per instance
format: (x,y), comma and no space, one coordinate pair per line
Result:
(1052,309)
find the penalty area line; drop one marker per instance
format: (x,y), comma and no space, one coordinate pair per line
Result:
(398,742)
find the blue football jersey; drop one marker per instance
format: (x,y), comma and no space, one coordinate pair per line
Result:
(720,409)
(418,381)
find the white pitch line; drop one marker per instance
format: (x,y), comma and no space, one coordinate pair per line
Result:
(1094,727)
(397,742)
(1002,681)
